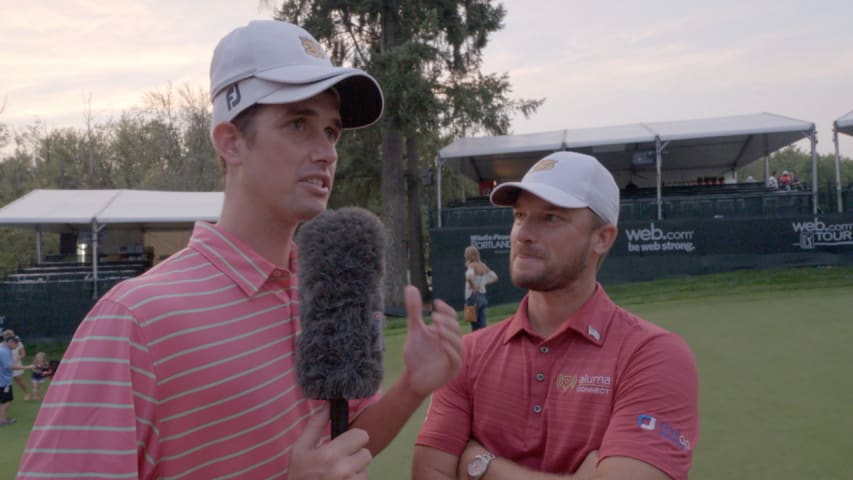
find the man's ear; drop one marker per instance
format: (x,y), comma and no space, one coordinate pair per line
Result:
(603,238)
(228,142)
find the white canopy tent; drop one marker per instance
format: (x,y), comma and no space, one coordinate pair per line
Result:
(661,150)
(80,210)
(842,125)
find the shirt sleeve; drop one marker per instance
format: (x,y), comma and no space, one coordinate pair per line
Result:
(469,275)
(447,426)
(97,419)
(656,413)
(6,359)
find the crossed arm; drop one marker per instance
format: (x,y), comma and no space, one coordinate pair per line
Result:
(433,464)
(676,396)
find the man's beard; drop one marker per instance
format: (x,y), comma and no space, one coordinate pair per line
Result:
(553,277)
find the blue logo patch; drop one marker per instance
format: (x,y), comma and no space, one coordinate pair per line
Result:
(665,430)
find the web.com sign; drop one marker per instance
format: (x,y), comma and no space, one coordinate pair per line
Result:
(820,234)
(655,239)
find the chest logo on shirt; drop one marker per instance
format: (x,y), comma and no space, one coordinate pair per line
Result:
(586,383)
(567,382)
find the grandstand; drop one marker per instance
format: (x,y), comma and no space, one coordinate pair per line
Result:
(105,236)
(683,210)
(59,272)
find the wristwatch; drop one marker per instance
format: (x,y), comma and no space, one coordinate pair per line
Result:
(478,465)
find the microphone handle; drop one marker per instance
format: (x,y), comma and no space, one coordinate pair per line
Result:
(339,415)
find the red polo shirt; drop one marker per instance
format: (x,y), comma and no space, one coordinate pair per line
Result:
(606,380)
(185,372)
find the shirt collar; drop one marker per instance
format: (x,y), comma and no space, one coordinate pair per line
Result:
(244,266)
(590,321)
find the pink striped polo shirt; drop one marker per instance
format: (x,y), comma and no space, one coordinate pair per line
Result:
(605,380)
(186,372)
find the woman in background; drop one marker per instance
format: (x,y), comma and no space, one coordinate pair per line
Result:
(477,276)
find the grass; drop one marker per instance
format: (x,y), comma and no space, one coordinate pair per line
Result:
(773,357)
(772,348)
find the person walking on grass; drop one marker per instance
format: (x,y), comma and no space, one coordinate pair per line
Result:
(19,354)
(7,368)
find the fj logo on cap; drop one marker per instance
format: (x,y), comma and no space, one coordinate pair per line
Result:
(544,164)
(232,96)
(312,47)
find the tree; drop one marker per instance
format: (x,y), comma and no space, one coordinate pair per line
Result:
(178,123)
(426,56)
(4,130)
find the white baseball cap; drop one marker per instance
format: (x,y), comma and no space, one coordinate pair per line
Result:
(269,61)
(568,180)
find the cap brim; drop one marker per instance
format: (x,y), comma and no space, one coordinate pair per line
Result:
(361,96)
(505,195)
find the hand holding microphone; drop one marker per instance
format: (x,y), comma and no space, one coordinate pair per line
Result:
(339,350)
(345,457)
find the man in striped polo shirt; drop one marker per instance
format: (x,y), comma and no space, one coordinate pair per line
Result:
(572,383)
(187,372)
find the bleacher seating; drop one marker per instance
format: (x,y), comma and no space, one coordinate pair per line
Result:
(733,201)
(696,190)
(61,272)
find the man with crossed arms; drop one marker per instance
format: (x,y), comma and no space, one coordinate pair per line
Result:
(571,383)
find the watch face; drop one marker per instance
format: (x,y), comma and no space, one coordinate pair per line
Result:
(477,466)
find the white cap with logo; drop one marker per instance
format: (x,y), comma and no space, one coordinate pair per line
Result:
(269,61)
(568,180)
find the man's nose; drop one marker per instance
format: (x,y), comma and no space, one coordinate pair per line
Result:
(522,230)
(324,151)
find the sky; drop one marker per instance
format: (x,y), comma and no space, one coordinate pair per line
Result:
(595,63)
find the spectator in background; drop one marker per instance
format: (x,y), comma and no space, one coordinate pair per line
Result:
(477,276)
(41,372)
(7,367)
(785,180)
(18,357)
(772,183)
(795,182)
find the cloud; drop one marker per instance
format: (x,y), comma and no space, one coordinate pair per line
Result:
(63,52)
(596,63)
(624,62)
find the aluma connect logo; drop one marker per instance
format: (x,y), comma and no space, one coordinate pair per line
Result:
(586,383)
(820,234)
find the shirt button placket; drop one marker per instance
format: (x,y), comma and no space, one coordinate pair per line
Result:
(539,389)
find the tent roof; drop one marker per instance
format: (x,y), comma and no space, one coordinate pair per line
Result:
(725,143)
(845,123)
(64,210)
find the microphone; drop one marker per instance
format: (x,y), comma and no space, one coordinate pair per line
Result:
(339,351)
